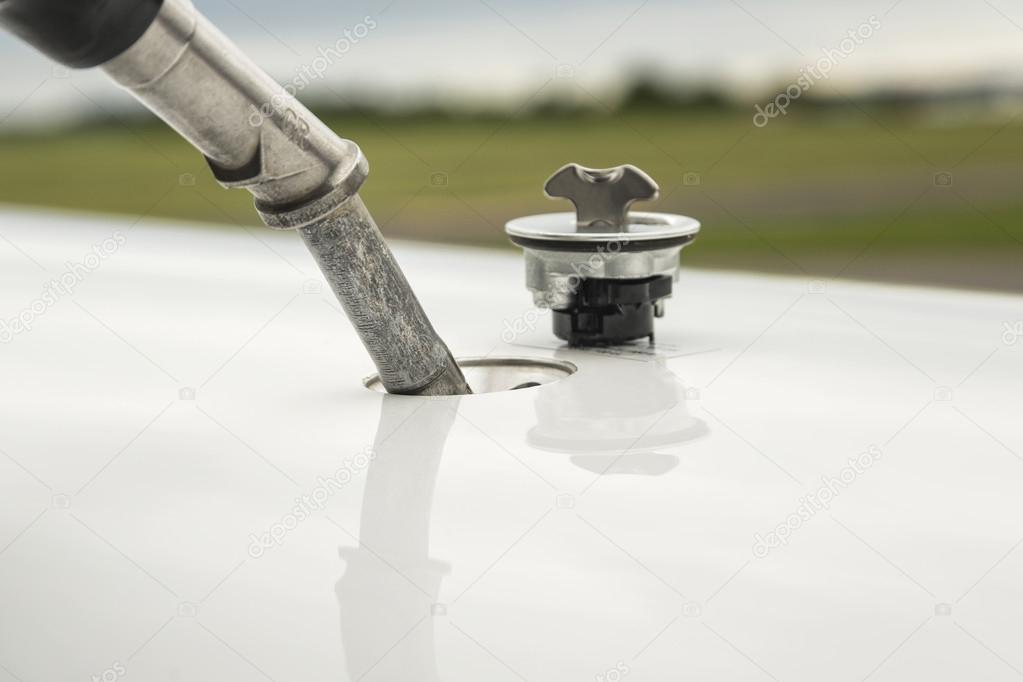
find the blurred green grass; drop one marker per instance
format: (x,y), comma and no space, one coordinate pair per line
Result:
(852,192)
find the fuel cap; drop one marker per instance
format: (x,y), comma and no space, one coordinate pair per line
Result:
(604,271)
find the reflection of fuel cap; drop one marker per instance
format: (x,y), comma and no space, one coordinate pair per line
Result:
(627,418)
(604,270)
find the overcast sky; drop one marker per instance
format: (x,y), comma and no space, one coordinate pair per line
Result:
(502,51)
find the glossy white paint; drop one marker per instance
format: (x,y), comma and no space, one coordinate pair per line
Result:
(157,422)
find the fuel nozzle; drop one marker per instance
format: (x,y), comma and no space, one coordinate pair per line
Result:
(603,271)
(255,135)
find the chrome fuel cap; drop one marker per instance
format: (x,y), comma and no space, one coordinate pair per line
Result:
(604,270)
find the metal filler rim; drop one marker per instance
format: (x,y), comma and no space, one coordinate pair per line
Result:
(643,227)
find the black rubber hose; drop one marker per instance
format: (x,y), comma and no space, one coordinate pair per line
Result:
(79,33)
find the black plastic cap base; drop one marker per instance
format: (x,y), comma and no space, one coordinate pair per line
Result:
(608,327)
(79,33)
(611,312)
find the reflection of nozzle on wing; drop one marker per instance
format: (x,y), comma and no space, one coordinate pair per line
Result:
(390,582)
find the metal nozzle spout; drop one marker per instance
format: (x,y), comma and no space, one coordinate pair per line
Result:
(410,356)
